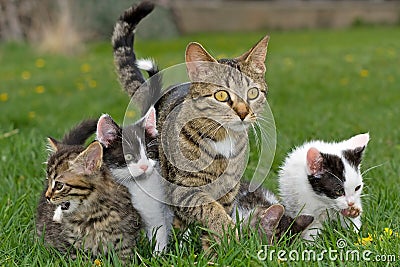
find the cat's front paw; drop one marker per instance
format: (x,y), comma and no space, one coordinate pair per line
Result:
(352,212)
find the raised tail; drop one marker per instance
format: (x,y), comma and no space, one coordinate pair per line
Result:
(122,40)
(80,133)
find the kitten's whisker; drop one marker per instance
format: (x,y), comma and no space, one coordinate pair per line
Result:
(371,168)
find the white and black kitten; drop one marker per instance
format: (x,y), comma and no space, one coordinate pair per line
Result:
(127,156)
(323,180)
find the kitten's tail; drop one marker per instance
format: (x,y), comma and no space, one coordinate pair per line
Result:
(80,133)
(122,40)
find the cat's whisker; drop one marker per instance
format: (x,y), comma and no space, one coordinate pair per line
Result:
(373,167)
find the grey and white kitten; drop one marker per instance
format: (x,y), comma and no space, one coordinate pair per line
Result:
(126,154)
(261,210)
(323,179)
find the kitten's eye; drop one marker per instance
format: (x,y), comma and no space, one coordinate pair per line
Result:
(58,186)
(339,192)
(252,93)
(222,96)
(357,188)
(128,157)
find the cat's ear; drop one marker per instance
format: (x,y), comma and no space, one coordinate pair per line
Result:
(269,220)
(150,122)
(255,57)
(197,60)
(107,130)
(358,141)
(301,222)
(90,160)
(314,161)
(53,145)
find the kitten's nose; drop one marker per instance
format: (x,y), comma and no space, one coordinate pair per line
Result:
(144,167)
(350,204)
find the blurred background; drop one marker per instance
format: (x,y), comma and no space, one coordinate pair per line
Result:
(59,25)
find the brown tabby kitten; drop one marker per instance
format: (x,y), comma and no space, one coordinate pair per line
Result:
(261,210)
(203,133)
(97,212)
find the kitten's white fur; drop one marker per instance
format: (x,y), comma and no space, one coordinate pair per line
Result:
(298,196)
(148,197)
(225,147)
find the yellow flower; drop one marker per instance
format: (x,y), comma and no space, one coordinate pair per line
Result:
(390,78)
(288,62)
(366,240)
(3,97)
(364,73)
(85,68)
(26,75)
(97,262)
(31,114)
(39,89)
(388,231)
(39,63)
(92,83)
(349,58)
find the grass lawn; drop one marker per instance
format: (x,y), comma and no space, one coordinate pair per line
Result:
(326,84)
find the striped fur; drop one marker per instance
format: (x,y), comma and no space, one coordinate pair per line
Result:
(203,142)
(128,68)
(99,215)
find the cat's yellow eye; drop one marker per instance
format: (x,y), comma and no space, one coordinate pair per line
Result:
(58,186)
(128,157)
(252,93)
(222,96)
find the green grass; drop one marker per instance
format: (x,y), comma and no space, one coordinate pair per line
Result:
(323,84)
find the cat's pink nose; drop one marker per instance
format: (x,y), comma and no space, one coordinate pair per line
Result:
(350,204)
(144,167)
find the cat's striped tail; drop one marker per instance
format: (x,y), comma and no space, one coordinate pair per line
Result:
(122,40)
(80,133)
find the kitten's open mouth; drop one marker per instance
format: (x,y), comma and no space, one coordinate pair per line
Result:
(65,205)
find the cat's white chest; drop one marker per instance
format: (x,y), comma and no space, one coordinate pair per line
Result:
(225,147)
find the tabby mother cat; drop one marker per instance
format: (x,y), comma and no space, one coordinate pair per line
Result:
(202,125)
(203,133)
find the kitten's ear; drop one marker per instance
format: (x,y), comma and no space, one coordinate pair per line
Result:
(53,145)
(255,57)
(314,161)
(269,220)
(90,160)
(197,61)
(150,122)
(107,130)
(302,222)
(358,141)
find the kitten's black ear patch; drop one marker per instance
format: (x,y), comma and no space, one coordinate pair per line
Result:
(90,160)
(107,130)
(52,144)
(255,57)
(314,161)
(197,61)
